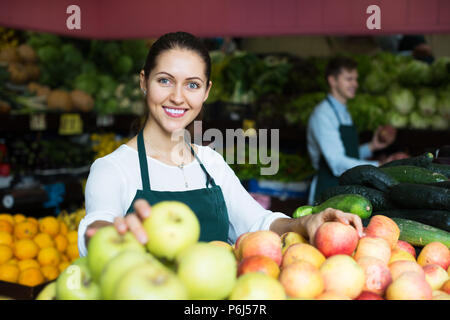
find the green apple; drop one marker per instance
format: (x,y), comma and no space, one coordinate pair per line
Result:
(118,266)
(105,244)
(48,292)
(150,281)
(76,283)
(208,271)
(171,227)
(257,286)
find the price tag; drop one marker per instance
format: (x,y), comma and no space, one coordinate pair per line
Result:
(105,120)
(249,127)
(70,124)
(38,122)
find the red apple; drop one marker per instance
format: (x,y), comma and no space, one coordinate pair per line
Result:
(435,253)
(261,264)
(401,266)
(377,275)
(446,287)
(332,295)
(302,280)
(403,245)
(266,243)
(435,275)
(334,238)
(373,247)
(383,227)
(367,295)
(237,245)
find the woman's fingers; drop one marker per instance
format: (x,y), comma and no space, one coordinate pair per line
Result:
(121,225)
(135,226)
(142,208)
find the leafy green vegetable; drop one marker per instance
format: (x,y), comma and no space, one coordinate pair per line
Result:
(397,120)
(415,73)
(417,121)
(427,102)
(402,99)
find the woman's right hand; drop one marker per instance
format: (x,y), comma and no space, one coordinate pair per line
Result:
(131,222)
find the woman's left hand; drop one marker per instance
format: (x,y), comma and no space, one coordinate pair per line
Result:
(312,222)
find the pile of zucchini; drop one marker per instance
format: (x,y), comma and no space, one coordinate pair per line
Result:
(415,192)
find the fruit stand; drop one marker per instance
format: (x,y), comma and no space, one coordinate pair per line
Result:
(62,106)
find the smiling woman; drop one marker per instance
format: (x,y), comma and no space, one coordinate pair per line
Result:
(176,80)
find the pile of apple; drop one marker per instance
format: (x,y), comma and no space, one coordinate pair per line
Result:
(260,265)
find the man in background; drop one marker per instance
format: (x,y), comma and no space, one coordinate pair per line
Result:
(332,138)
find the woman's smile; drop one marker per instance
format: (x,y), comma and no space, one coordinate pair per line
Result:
(174,112)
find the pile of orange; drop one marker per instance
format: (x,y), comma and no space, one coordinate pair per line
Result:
(34,251)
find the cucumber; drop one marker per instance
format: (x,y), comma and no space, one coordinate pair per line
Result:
(419,196)
(302,211)
(442,184)
(424,160)
(351,203)
(435,218)
(441,168)
(420,234)
(378,199)
(369,176)
(412,174)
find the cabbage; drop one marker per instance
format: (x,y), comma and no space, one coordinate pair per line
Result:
(440,70)
(443,105)
(439,123)
(427,102)
(402,100)
(377,81)
(415,73)
(417,121)
(397,120)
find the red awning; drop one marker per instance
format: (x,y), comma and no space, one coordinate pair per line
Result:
(115,19)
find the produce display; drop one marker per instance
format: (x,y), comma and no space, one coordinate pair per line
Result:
(407,189)
(259,265)
(394,89)
(34,251)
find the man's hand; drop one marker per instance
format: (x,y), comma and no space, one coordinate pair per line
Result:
(384,136)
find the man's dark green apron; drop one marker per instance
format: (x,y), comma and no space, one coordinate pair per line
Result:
(349,137)
(208,203)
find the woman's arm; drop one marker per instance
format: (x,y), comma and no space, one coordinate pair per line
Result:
(308,225)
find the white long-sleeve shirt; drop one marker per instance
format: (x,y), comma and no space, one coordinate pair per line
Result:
(114,179)
(324,139)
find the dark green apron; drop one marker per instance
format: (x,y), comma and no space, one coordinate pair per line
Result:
(349,137)
(208,204)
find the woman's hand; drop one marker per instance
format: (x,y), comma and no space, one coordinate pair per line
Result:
(131,222)
(311,223)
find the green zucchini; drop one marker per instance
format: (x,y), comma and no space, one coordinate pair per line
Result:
(435,218)
(351,203)
(369,176)
(442,184)
(412,174)
(419,196)
(441,168)
(420,234)
(423,160)
(378,199)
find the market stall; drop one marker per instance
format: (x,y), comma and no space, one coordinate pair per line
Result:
(69,97)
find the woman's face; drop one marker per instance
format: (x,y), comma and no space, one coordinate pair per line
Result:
(176,89)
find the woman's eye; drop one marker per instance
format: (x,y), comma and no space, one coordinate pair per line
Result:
(193,85)
(163,81)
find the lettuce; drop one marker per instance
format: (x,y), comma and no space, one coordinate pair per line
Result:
(427,102)
(402,100)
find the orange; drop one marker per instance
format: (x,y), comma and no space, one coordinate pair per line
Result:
(61,243)
(72,251)
(33,220)
(18,217)
(25,230)
(49,225)
(63,229)
(7,217)
(50,272)
(6,226)
(6,253)
(72,236)
(28,263)
(13,261)
(49,256)
(9,272)
(25,249)
(6,238)
(31,277)
(64,257)
(63,265)
(44,240)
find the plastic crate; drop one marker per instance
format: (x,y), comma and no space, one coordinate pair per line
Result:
(20,292)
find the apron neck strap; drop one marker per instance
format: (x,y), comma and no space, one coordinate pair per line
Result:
(209,179)
(143,162)
(334,109)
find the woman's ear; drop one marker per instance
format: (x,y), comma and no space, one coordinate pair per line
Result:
(143,81)
(207,91)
